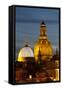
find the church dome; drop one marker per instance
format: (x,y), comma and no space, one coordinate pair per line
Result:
(43,44)
(45,50)
(26,51)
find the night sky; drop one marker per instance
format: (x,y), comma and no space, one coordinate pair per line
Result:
(28,25)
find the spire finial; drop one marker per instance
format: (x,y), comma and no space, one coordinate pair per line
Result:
(42,24)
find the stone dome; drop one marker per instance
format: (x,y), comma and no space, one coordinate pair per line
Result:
(26,51)
(43,44)
(45,50)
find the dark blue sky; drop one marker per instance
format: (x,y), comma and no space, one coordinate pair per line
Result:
(28,24)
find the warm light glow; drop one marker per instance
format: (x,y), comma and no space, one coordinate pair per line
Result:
(44,44)
(57,74)
(30,76)
(36,50)
(21,59)
(56,78)
(45,51)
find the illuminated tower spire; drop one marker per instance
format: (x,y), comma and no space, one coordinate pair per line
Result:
(43,29)
(43,44)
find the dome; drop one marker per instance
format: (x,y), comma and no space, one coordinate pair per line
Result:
(45,50)
(43,44)
(25,52)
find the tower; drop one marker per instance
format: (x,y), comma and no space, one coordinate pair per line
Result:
(42,29)
(43,44)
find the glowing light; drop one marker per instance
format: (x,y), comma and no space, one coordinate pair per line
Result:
(44,44)
(21,59)
(57,74)
(25,52)
(30,76)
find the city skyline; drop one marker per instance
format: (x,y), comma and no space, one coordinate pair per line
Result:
(37,45)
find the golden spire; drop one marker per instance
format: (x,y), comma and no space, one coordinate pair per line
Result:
(42,29)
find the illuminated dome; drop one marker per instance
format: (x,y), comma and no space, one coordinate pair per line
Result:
(25,52)
(43,44)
